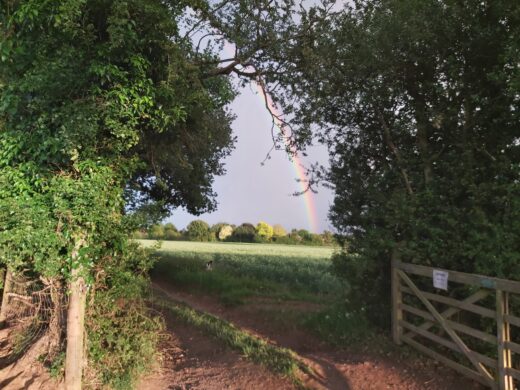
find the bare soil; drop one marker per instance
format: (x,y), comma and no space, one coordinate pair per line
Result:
(25,373)
(192,360)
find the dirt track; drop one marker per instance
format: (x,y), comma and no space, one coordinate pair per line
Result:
(192,360)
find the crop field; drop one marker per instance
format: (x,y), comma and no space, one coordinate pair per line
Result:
(235,248)
(241,270)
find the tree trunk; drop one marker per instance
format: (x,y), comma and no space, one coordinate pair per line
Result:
(8,286)
(75,326)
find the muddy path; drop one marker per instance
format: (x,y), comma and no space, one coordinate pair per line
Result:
(192,360)
(206,364)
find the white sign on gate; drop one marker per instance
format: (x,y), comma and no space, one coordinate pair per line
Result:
(440,279)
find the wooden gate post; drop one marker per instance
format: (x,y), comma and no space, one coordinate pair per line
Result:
(397,297)
(505,381)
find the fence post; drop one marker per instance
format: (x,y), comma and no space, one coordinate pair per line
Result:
(397,312)
(8,287)
(505,381)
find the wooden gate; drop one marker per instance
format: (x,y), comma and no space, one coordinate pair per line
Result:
(416,314)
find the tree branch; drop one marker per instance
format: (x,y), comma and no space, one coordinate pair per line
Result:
(395,151)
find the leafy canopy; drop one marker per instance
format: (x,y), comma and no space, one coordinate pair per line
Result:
(418,104)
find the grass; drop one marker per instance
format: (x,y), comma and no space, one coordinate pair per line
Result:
(279,360)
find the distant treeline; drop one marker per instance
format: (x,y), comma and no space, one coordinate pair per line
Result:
(199,230)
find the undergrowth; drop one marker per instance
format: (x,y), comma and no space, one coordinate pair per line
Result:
(122,333)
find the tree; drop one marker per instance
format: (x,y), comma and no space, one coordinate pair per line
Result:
(170,231)
(244,233)
(264,230)
(279,231)
(328,237)
(222,231)
(198,230)
(417,102)
(304,234)
(110,117)
(157,232)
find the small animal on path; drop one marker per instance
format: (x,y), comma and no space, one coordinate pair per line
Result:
(209,265)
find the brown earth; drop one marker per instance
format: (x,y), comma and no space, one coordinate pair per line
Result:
(192,360)
(25,373)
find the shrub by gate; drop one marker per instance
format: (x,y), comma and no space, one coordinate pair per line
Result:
(467,329)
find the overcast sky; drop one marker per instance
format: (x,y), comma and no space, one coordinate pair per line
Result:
(250,192)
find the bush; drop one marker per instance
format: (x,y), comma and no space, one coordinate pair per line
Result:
(139,235)
(305,235)
(171,232)
(369,285)
(328,238)
(217,229)
(122,333)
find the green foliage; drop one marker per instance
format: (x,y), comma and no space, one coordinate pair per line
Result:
(328,238)
(122,338)
(171,232)
(244,233)
(225,232)
(416,101)
(264,230)
(198,230)
(157,232)
(106,123)
(57,366)
(122,334)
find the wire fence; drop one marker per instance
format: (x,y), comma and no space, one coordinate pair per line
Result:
(32,308)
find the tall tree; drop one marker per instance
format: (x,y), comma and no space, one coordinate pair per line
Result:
(418,104)
(106,109)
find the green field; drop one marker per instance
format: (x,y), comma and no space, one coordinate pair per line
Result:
(212,248)
(242,270)
(282,273)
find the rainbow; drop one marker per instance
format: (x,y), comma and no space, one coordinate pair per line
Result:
(309,202)
(307,195)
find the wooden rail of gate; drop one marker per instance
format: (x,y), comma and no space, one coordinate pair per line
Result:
(495,373)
